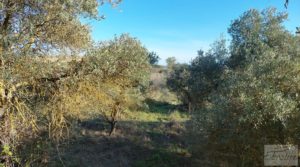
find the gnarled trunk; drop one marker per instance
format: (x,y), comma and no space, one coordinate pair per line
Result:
(113,125)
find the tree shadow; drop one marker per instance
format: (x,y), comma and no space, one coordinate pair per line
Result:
(160,107)
(138,144)
(94,124)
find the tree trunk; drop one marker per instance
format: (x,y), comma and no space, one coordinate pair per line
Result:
(112,127)
(281,136)
(4,28)
(2,112)
(190,107)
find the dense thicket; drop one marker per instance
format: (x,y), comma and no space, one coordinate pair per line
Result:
(43,97)
(241,97)
(248,96)
(39,25)
(193,83)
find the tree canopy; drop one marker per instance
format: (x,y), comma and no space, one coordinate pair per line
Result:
(153,58)
(34,25)
(246,96)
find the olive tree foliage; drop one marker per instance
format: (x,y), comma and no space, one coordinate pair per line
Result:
(171,62)
(118,70)
(256,32)
(38,25)
(24,91)
(178,82)
(257,101)
(286,4)
(55,95)
(153,58)
(31,88)
(206,70)
(194,82)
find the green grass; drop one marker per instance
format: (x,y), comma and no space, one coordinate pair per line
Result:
(152,137)
(157,111)
(164,125)
(147,116)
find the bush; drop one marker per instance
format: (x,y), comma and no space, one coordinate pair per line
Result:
(257,101)
(43,101)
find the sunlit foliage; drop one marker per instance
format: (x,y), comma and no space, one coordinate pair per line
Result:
(39,25)
(256,101)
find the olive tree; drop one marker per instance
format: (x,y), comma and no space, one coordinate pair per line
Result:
(178,82)
(29,84)
(153,58)
(32,25)
(206,71)
(257,102)
(108,74)
(194,82)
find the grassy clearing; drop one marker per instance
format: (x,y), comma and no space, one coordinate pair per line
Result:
(158,113)
(143,139)
(150,137)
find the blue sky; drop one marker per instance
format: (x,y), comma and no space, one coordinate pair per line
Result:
(180,27)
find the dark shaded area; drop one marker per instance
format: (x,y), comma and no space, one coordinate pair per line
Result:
(95,124)
(161,107)
(138,144)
